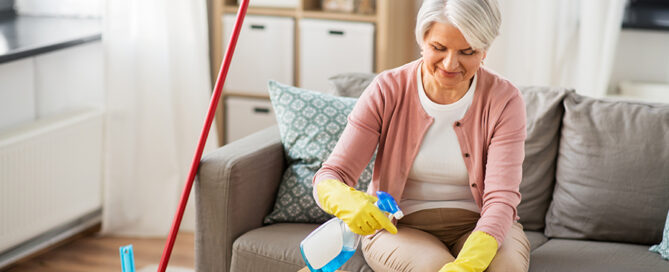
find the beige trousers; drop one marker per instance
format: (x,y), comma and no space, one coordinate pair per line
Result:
(426,240)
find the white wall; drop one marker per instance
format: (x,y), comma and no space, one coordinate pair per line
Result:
(642,55)
(75,8)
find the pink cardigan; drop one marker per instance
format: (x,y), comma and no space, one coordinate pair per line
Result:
(389,115)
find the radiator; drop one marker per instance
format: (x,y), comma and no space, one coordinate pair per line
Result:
(50,174)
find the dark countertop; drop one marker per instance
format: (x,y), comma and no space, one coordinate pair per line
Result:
(26,36)
(647,16)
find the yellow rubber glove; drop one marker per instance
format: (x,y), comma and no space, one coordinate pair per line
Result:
(476,254)
(355,208)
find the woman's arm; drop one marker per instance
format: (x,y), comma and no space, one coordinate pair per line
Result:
(357,142)
(504,170)
(349,158)
(500,196)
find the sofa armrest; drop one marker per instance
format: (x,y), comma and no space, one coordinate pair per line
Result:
(235,188)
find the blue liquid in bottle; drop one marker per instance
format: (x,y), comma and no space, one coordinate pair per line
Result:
(338,261)
(329,246)
(332,244)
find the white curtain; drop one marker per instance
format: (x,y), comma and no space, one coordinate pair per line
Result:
(158,89)
(568,43)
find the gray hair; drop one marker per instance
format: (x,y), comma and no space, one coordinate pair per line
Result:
(478,20)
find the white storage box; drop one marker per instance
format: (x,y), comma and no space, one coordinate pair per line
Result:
(264,51)
(330,47)
(245,116)
(272,3)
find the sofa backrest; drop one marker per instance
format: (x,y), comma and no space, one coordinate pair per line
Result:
(612,176)
(544,115)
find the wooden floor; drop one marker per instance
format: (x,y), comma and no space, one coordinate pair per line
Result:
(95,253)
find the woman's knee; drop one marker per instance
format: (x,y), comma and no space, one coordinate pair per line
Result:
(509,264)
(514,254)
(398,262)
(408,250)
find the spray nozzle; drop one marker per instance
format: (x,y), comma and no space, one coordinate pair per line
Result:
(387,203)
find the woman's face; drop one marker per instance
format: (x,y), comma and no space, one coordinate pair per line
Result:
(450,62)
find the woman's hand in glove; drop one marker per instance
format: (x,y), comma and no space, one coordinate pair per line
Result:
(355,208)
(475,256)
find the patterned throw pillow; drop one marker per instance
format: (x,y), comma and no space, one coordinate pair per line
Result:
(663,247)
(310,124)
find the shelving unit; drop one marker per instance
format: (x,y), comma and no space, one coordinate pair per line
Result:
(394,42)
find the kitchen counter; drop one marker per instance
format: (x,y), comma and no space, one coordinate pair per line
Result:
(25,36)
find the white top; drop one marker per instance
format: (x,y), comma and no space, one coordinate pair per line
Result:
(438,177)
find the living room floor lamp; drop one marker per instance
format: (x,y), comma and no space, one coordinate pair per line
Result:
(218,88)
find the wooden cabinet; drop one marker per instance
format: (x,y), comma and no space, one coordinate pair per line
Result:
(391,37)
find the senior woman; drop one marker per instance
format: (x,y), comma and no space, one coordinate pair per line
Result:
(450,137)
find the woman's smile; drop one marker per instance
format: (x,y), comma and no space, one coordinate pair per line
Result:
(447,74)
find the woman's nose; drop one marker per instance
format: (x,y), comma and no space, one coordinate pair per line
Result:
(450,61)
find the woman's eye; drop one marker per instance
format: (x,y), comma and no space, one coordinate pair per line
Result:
(438,48)
(468,52)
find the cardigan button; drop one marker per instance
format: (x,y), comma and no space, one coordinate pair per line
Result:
(457,124)
(474,185)
(466,155)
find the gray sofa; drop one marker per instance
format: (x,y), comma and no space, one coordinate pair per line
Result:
(595,191)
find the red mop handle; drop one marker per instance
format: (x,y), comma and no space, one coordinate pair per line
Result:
(167,251)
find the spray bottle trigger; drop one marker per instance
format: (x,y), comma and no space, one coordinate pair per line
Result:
(388,204)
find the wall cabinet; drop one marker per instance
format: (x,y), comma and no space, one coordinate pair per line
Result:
(17,93)
(51,83)
(51,135)
(69,78)
(321,44)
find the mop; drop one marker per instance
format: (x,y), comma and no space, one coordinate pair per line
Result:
(127,259)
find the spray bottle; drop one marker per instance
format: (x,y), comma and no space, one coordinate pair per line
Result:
(330,245)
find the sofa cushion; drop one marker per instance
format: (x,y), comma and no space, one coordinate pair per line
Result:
(536,239)
(350,84)
(561,255)
(310,124)
(611,177)
(276,248)
(544,115)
